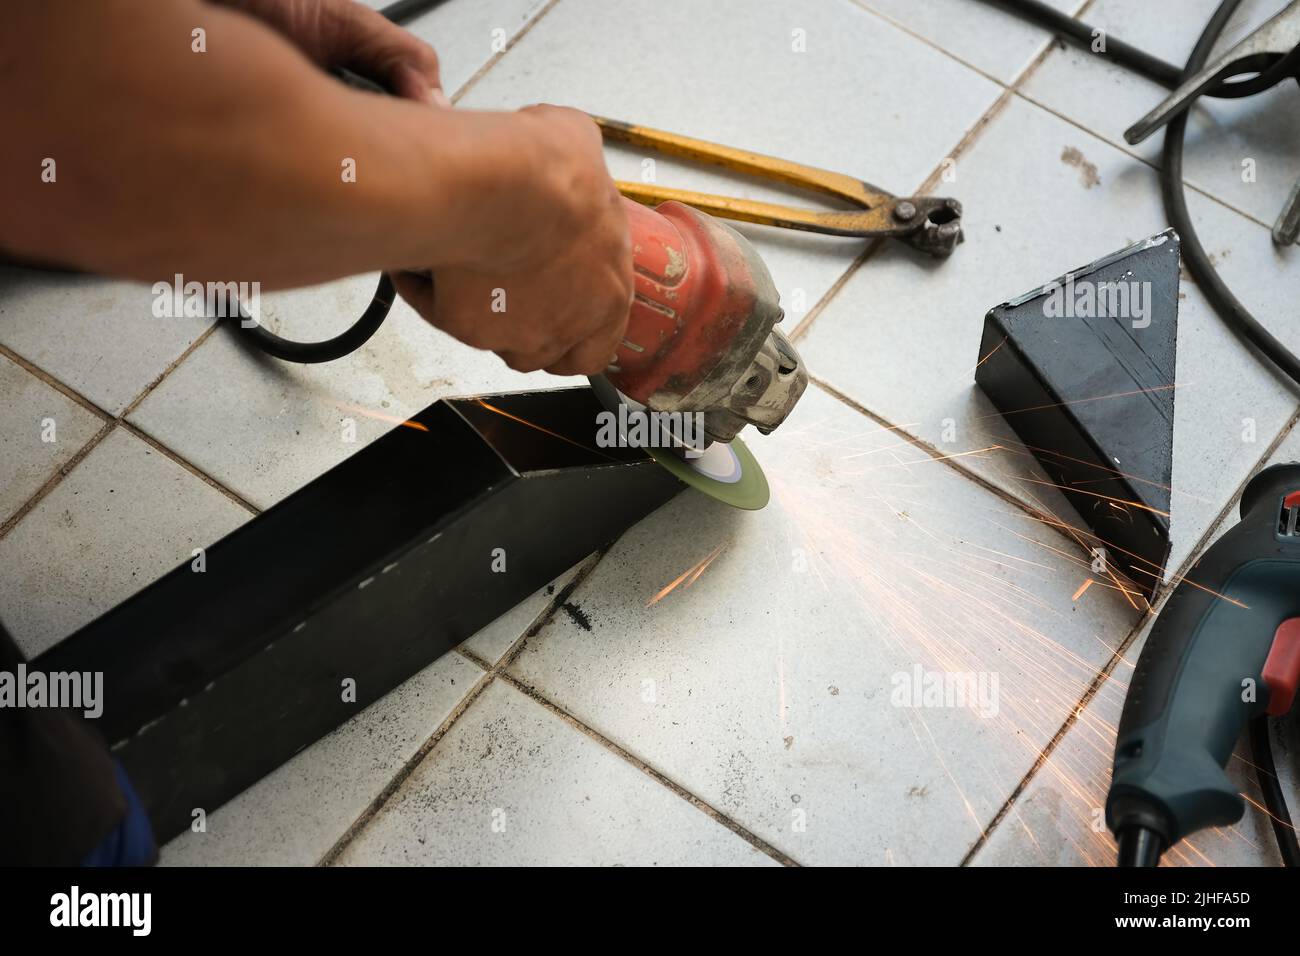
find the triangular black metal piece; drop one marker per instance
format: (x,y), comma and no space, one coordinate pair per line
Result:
(1083,371)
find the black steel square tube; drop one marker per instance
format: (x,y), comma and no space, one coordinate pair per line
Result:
(213,679)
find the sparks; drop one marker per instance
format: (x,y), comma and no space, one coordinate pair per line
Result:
(370,413)
(544,431)
(693,573)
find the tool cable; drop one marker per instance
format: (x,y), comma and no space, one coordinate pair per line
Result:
(1229,308)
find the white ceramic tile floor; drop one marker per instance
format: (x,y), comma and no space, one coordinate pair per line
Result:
(513,784)
(1226,139)
(759,695)
(97,336)
(124,517)
(41,429)
(989,39)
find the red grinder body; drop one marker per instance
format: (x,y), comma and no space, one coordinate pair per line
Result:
(700,336)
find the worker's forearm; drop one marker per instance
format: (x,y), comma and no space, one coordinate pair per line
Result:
(241,163)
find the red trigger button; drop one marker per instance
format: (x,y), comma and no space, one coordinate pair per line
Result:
(1282,669)
(1292,500)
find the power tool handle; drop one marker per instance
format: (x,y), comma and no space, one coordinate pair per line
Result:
(1201,677)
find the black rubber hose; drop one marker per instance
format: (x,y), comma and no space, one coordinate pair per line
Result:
(404,10)
(1130,57)
(1266,773)
(1067,27)
(1229,308)
(310,353)
(381,302)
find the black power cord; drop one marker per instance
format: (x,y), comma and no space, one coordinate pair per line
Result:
(1229,308)
(381,302)
(310,353)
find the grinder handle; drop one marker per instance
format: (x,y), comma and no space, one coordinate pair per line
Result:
(1201,675)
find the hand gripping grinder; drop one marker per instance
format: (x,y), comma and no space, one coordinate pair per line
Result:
(702,348)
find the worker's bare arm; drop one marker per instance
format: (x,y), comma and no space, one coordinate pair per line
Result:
(134,149)
(237,162)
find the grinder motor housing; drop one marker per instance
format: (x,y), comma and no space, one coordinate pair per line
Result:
(701,334)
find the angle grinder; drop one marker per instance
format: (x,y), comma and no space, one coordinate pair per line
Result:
(702,351)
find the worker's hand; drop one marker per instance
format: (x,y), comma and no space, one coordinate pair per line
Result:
(556,293)
(342,33)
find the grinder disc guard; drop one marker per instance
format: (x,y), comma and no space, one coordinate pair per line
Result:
(726,471)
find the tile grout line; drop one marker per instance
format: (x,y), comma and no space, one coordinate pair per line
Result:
(60,471)
(491,672)
(394,784)
(171,367)
(53,481)
(1191,186)
(929,181)
(1045,518)
(966,141)
(112,422)
(1008,90)
(1099,681)
(66,391)
(510,45)
(189,466)
(1084,8)
(849,272)
(1162,594)
(1051,39)
(753,839)
(472,658)
(513,653)
(167,452)
(498,671)
(935,176)
(1015,86)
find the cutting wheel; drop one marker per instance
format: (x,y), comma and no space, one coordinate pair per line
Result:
(727,472)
